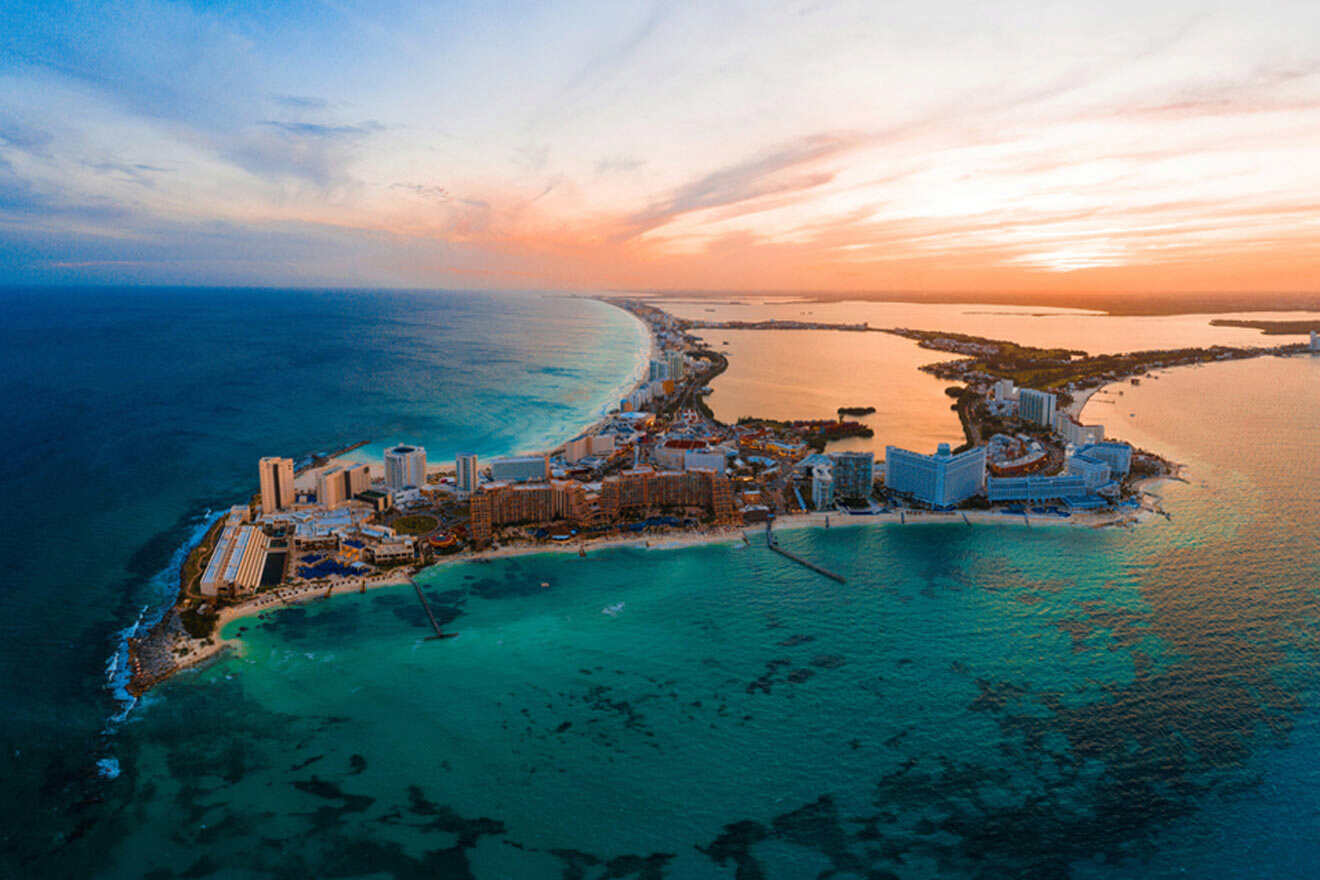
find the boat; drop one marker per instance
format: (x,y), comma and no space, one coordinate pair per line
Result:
(545,585)
(612,610)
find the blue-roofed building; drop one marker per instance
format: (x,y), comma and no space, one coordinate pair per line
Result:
(1117,455)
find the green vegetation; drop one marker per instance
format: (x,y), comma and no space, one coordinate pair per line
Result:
(197,624)
(416,524)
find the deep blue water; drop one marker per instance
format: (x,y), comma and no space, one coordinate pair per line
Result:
(131,413)
(973,702)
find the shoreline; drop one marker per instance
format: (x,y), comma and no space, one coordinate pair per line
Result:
(200,654)
(202,651)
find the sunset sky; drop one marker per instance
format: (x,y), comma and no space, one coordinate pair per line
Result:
(935,145)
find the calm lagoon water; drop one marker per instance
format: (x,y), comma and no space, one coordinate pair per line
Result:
(990,701)
(1094,332)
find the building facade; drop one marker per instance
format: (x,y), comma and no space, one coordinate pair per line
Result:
(337,485)
(276,477)
(1036,489)
(1036,406)
(1075,432)
(405,466)
(1117,455)
(465,473)
(822,487)
(677,368)
(940,480)
(524,469)
(854,474)
(1093,471)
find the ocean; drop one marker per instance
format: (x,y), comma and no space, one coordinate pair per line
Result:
(984,701)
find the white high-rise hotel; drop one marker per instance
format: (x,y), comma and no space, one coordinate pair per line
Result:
(405,466)
(466,472)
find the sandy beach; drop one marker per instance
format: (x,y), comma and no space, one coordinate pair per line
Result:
(199,651)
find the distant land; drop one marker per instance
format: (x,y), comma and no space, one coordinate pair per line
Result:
(1111,303)
(1272,328)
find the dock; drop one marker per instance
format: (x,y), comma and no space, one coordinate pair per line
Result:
(439,633)
(773,543)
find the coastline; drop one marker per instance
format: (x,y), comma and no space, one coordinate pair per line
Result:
(201,651)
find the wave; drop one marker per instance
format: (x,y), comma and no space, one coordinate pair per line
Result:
(118,671)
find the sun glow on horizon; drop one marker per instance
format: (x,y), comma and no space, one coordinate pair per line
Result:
(972,146)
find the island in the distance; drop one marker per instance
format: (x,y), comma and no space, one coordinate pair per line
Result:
(660,467)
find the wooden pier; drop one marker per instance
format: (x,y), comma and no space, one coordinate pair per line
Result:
(773,543)
(439,633)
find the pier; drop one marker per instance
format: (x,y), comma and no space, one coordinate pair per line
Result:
(773,543)
(439,633)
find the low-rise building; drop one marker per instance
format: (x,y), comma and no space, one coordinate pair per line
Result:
(521,469)
(1075,432)
(1117,455)
(238,560)
(1093,471)
(1036,489)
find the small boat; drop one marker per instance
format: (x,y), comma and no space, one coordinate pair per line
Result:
(612,610)
(545,585)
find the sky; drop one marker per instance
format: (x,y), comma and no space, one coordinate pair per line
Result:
(935,145)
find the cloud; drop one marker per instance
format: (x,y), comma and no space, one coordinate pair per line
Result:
(618,164)
(300,102)
(325,132)
(775,172)
(18,136)
(136,172)
(426,191)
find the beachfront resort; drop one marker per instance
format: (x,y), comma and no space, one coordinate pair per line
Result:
(659,466)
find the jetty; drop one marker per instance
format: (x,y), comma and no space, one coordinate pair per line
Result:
(421,597)
(773,543)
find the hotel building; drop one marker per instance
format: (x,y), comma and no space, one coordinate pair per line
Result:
(405,466)
(854,474)
(940,480)
(525,469)
(276,484)
(1075,432)
(822,487)
(1036,406)
(337,485)
(465,473)
(1035,489)
(1117,455)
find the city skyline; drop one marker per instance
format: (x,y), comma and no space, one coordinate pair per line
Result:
(1020,147)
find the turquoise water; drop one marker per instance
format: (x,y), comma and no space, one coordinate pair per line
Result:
(973,702)
(131,413)
(990,701)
